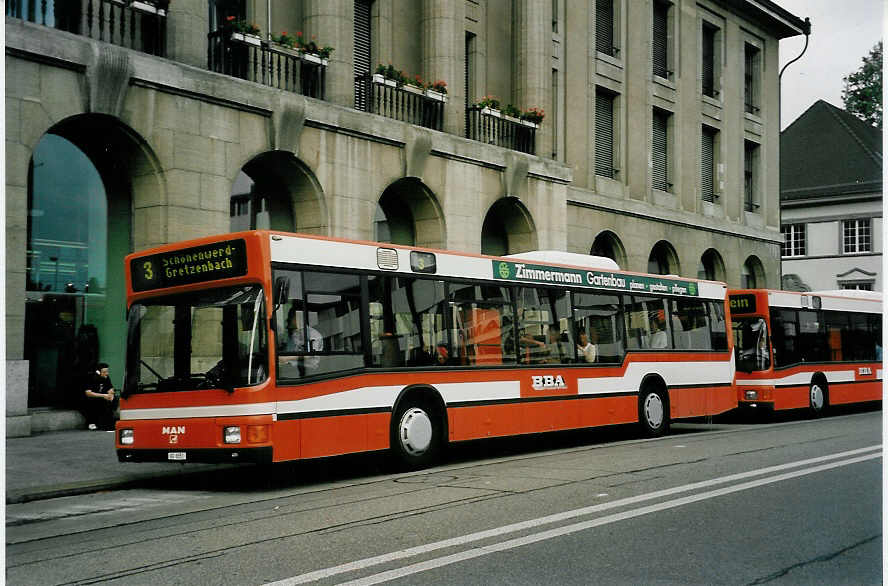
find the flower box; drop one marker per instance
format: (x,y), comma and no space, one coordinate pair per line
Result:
(245,38)
(285,50)
(529,124)
(491,112)
(383,80)
(512,119)
(413,89)
(436,95)
(147,7)
(312,58)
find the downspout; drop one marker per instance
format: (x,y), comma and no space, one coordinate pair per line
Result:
(268,19)
(807,30)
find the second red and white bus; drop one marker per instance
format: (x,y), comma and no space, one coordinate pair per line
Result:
(267,346)
(807,350)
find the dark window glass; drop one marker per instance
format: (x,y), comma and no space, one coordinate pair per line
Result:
(645,319)
(544,329)
(483,324)
(690,324)
(319,325)
(407,322)
(785,337)
(599,327)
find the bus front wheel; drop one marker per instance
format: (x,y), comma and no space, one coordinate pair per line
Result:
(653,411)
(416,435)
(818,399)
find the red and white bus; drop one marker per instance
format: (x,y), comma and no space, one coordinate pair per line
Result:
(265,346)
(806,350)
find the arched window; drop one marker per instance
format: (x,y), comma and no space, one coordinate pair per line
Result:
(66,268)
(663,260)
(711,266)
(752,275)
(507,229)
(607,244)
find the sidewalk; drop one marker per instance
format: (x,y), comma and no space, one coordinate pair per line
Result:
(63,463)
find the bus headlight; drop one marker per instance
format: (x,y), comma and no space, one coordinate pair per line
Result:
(231,434)
(126,437)
(751,395)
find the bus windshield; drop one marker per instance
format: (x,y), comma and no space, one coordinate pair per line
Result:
(211,339)
(751,344)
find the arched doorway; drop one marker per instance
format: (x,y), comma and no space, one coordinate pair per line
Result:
(752,275)
(408,213)
(608,244)
(276,191)
(508,228)
(663,260)
(711,266)
(80,206)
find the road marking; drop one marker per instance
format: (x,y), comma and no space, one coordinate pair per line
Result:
(568,529)
(566,515)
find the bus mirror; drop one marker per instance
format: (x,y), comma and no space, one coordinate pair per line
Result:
(281,291)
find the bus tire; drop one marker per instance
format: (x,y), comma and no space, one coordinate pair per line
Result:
(653,410)
(818,397)
(416,435)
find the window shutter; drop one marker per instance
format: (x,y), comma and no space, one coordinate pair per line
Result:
(604,134)
(707,164)
(659,176)
(660,34)
(362,51)
(604,26)
(708,65)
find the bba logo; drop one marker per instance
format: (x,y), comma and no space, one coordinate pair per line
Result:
(547,382)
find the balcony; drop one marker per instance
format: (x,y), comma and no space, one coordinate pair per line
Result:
(386,97)
(493,127)
(254,59)
(134,24)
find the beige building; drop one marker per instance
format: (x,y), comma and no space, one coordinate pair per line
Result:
(134,123)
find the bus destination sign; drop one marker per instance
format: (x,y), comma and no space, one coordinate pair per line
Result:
(742,303)
(530,273)
(197,264)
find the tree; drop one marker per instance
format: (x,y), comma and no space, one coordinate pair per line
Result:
(862,94)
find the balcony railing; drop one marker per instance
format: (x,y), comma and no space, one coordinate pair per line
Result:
(492,127)
(385,97)
(137,25)
(254,59)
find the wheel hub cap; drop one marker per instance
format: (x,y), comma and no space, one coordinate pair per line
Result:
(415,431)
(816,397)
(653,410)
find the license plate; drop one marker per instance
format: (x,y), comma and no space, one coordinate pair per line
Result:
(176,456)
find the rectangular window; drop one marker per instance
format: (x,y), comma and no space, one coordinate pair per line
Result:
(660,150)
(751,78)
(856,236)
(660,39)
(707,164)
(407,322)
(690,324)
(319,328)
(604,27)
(645,320)
(599,321)
(483,325)
(604,133)
(545,332)
(793,239)
(857,285)
(750,176)
(708,60)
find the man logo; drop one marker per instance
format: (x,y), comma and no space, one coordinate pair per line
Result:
(173,430)
(547,382)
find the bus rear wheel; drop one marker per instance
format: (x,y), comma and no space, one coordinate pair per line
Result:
(818,399)
(416,435)
(653,411)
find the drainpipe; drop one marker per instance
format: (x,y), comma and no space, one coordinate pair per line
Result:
(268,19)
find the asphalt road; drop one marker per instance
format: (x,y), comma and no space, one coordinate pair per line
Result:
(791,502)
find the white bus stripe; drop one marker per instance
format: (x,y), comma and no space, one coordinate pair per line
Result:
(410,552)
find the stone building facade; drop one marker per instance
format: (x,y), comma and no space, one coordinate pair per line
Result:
(132,124)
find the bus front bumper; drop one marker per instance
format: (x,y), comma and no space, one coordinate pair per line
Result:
(261,455)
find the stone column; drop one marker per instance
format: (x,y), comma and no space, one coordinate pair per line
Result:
(187,24)
(331,22)
(443,55)
(532,47)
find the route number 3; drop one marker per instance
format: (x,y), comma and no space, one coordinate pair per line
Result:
(149,270)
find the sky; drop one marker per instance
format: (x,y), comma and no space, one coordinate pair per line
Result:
(842,33)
